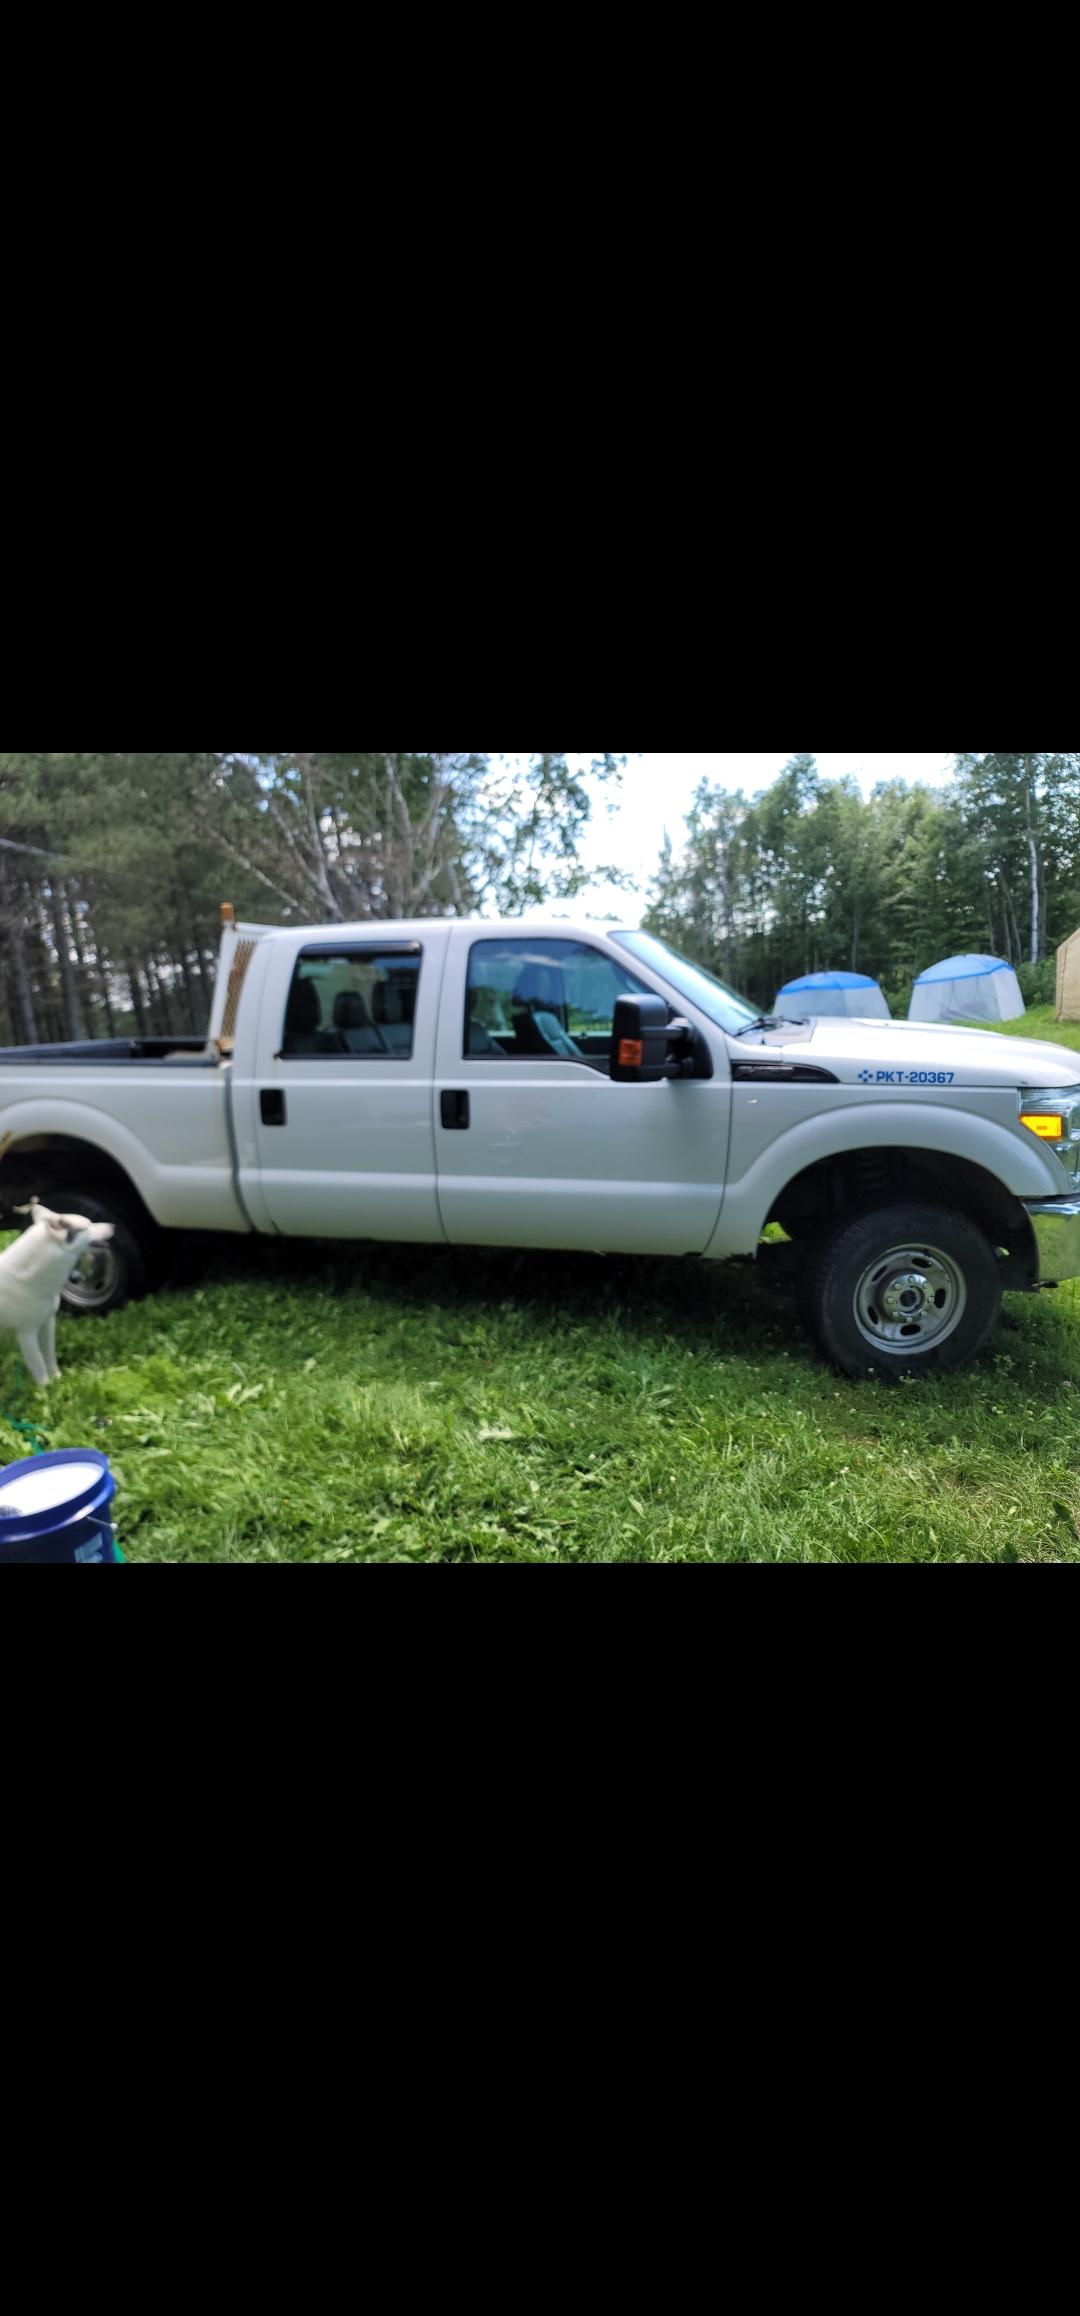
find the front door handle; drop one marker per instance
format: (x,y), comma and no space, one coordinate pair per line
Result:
(273,1108)
(455,1113)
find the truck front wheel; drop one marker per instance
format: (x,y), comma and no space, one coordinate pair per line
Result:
(903,1290)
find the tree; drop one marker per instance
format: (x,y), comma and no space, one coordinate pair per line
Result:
(348,836)
(112,866)
(1027,811)
(810,874)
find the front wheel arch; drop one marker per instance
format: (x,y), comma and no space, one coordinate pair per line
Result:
(813,1202)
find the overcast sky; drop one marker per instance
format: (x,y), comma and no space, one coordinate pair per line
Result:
(657,792)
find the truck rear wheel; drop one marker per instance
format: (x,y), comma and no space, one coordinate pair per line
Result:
(107,1276)
(902,1290)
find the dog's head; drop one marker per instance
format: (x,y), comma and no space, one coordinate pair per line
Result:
(73,1231)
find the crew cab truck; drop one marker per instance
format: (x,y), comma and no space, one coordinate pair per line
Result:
(542,1084)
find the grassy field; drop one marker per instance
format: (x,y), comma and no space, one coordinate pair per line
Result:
(407,1404)
(402,1404)
(1042,1021)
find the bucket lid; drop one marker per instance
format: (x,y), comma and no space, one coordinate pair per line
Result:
(45,1492)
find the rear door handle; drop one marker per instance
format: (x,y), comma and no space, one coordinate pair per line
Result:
(455,1113)
(272,1107)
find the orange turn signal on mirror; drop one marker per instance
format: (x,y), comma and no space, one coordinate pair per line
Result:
(631,1053)
(1048,1129)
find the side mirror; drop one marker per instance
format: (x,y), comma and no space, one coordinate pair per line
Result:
(641,1041)
(648,1044)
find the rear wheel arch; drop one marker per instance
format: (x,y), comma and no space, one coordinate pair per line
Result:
(34,1166)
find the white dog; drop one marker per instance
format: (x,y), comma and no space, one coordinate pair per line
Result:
(32,1273)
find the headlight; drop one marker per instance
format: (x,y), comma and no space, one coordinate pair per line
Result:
(1055,1118)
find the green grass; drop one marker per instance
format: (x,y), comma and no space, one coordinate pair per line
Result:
(1042,1021)
(404,1404)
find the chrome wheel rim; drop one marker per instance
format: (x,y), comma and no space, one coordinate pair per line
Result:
(94,1280)
(910,1299)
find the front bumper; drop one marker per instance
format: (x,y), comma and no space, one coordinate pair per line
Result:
(1056,1224)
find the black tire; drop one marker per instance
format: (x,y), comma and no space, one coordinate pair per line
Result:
(901,1291)
(124,1271)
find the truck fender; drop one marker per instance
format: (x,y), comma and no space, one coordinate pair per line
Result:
(749,1202)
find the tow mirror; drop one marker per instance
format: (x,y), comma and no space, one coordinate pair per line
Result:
(643,1041)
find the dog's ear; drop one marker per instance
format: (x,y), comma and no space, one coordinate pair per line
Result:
(101,1233)
(39,1213)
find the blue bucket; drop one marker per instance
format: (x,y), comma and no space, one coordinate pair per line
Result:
(58,1508)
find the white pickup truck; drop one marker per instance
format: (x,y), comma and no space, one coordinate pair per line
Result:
(552,1085)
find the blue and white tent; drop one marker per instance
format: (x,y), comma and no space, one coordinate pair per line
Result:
(832,993)
(967,989)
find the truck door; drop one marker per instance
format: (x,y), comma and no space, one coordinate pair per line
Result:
(342,1104)
(536,1146)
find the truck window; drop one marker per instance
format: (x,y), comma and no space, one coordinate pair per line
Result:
(352,1005)
(543,1000)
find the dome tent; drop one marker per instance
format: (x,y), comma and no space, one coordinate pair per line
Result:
(832,993)
(967,989)
(1068,980)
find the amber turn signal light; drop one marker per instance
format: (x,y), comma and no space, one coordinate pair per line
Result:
(631,1053)
(1049,1129)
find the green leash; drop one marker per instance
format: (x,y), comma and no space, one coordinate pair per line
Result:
(29,1431)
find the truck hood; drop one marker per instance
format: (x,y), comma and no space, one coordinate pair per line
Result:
(911,1053)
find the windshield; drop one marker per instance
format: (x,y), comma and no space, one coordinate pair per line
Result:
(712,997)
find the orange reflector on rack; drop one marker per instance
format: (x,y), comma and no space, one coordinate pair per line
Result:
(1049,1129)
(631,1053)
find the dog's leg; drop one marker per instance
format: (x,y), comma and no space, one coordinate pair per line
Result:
(36,1367)
(47,1340)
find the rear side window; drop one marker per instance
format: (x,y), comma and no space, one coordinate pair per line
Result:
(544,1001)
(352,1005)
